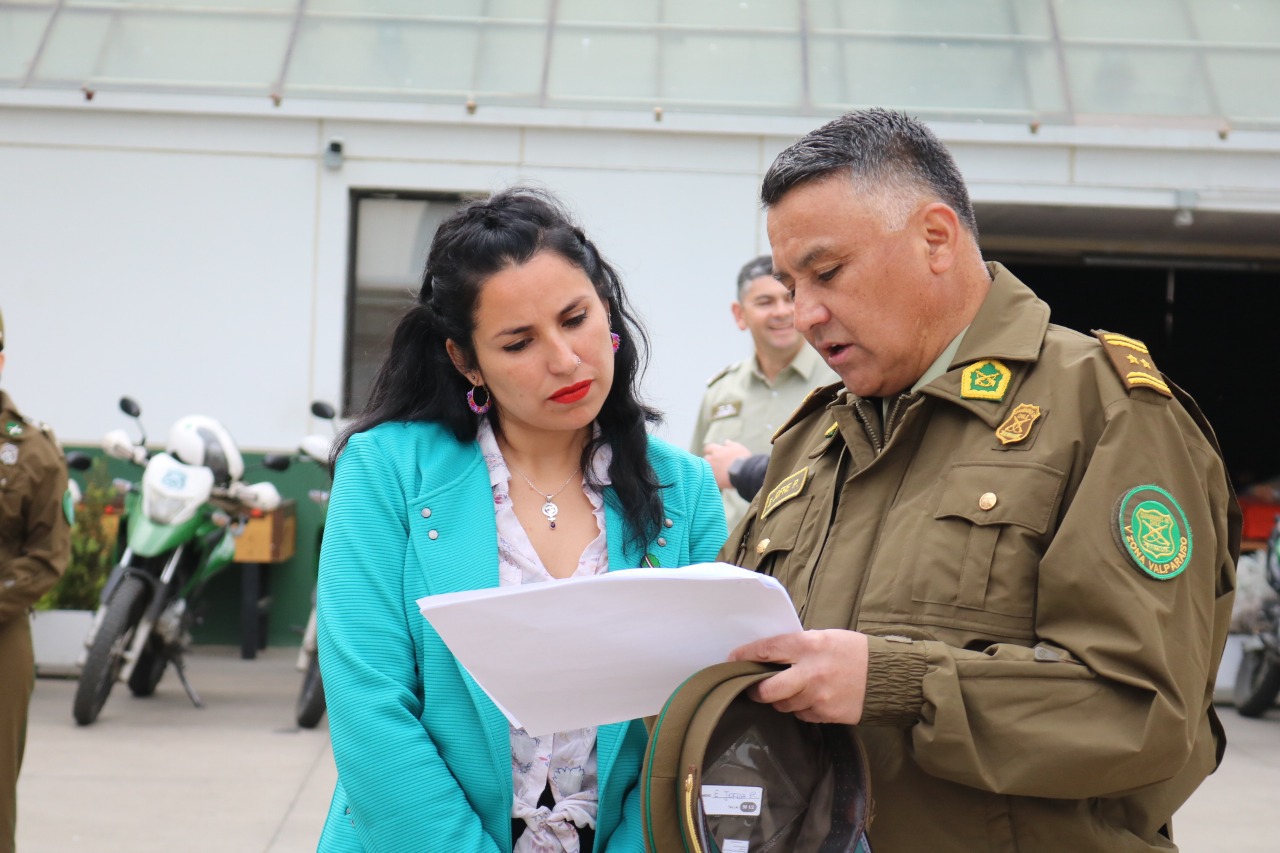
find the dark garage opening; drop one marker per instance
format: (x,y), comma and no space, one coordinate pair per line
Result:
(1209,326)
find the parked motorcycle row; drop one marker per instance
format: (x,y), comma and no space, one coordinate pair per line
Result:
(177,531)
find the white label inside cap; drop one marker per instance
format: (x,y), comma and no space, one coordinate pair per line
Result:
(732,799)
(733,845)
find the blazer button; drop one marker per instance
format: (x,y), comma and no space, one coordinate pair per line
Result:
(433,534)
(762,545)
(987,501)
(426,512)
(668,523)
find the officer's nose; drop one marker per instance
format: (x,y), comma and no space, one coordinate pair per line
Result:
(809,313)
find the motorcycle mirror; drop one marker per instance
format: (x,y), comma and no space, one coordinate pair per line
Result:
(129,407)
(322,410)
(276,461)
(79,461)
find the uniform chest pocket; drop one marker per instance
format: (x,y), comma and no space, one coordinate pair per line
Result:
(982,548)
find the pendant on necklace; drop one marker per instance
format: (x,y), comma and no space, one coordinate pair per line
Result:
(550,510)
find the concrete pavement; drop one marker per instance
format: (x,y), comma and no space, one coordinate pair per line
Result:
(239,777)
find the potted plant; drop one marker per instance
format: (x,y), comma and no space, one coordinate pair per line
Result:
(63,616)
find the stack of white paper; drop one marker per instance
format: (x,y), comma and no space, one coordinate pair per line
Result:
(587,651)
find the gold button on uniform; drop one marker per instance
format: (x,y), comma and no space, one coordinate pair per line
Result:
(763,544)
(987,501)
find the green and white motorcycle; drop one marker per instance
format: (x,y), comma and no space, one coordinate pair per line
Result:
(178,530)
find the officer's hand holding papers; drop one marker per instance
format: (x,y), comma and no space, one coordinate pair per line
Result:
(622,641)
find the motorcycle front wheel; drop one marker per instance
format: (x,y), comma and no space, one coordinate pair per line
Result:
(311,698)
(150,668)
(106,655)
(1257,683)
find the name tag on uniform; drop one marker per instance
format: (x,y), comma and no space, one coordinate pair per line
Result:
(727,410)
(785,491)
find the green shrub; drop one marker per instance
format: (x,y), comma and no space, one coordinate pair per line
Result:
(92,546)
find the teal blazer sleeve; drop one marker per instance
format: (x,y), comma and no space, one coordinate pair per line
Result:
(423,755)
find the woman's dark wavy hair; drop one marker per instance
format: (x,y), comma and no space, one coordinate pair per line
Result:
(418,381)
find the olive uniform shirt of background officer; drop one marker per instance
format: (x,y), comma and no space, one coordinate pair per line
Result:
(746,402)
(35,543)
(1011,545)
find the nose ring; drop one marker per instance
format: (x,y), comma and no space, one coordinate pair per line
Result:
(577,360)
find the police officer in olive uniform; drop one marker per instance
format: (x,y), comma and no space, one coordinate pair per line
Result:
(35,543)
(746,402)
(1012,545)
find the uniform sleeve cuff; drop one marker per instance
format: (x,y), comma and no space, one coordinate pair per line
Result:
(895,679)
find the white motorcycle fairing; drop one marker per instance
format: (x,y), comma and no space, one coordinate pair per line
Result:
(173,492)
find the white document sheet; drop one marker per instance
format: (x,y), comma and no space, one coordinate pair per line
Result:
(581,652)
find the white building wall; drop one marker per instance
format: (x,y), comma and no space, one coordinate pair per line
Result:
(197,261)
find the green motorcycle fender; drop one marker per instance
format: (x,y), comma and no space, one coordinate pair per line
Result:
(149,539)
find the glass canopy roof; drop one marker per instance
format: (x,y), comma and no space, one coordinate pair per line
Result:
(1178,62)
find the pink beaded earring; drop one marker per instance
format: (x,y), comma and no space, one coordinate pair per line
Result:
(616,339)
(480,408)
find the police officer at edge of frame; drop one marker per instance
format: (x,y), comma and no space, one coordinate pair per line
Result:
(747,401)
(35,544)
(1012,546)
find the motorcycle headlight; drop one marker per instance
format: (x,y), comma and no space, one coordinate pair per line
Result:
(164,510)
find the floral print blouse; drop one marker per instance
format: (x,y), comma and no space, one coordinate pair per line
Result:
(564,760)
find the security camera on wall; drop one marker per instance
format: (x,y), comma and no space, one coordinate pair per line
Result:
(333,154)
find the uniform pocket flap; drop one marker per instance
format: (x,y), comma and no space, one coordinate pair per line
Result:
(780,531)
(1021,493)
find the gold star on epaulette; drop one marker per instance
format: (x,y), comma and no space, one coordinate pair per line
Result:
(1133,362)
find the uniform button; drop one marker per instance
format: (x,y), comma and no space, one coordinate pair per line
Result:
(987,501)
(668,523)
(662,541)
(762,545)
(433,534)
(426,512)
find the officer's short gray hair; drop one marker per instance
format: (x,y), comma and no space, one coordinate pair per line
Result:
(889,156)
(753,269)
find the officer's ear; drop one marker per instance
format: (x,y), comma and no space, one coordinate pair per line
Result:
(738,316)
(942,233)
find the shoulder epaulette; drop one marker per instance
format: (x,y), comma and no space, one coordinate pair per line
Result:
(718,376)
(818,398)
(44,428)
(1132,360)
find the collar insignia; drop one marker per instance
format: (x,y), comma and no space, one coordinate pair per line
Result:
(785,491)
(1018,425)
(13,428)
(985,380)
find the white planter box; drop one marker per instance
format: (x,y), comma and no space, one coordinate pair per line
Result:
(58,637)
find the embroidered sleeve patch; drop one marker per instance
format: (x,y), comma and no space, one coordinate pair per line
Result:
(1132,360)
(1153,532)
(785,491)
(985,380)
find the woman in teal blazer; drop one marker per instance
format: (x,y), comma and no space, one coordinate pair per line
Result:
(424,757)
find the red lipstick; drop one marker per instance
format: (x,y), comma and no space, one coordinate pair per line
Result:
(572,393)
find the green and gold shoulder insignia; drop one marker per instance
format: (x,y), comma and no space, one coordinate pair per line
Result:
(1018,425)
(1153,532)
(1132,360)
(831,430)
(785,491)
(13,428)
(985,380)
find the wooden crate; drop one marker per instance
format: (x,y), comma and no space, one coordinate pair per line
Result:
(270,538)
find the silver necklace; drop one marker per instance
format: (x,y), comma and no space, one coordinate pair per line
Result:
(549,509)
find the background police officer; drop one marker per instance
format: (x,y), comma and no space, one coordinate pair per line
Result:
(35,543)
(747,401)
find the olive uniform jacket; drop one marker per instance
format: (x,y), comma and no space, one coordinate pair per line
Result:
(35,534)
(423,755)
(1044,552)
